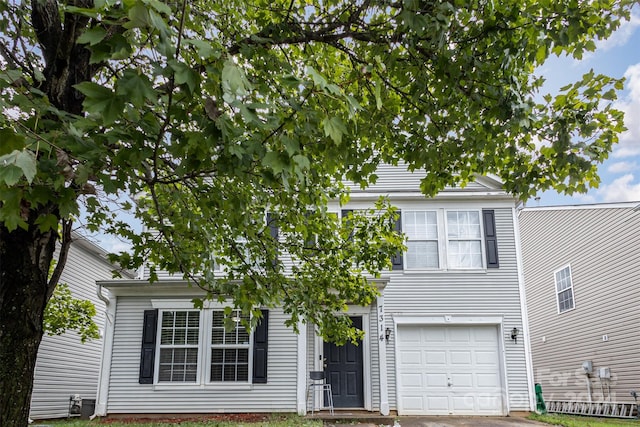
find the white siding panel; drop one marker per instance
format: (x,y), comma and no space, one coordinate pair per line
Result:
(126,395)
(493,292)
(601,244)
(64,365)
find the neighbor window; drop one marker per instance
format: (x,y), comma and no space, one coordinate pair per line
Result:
(179,336)
(564,289)
(421,228)
(464,239)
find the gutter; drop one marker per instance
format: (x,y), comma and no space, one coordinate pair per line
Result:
(107,350)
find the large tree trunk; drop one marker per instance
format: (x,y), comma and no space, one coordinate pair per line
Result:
(25,257)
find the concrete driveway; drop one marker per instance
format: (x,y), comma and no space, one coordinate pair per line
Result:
(449,421)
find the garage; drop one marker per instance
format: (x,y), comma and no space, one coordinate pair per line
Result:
(449,370)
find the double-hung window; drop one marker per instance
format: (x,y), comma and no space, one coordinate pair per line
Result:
(183,345)
(421,228)
(179,343)
(446,239)
(564,289)
(464,239)
(229,349)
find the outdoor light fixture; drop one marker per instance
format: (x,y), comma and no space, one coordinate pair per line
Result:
(514,335)
(387,334)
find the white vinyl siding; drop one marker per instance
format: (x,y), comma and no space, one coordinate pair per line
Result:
(127,396)
(467,293)
(65,366)
(564,289)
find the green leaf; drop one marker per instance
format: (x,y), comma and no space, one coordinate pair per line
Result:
(10,141)
(26,161)
(136,87)
(101,101)
(47,222)
(92,36)
(275,162)
(334,127)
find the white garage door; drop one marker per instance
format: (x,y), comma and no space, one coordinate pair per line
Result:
(449,370)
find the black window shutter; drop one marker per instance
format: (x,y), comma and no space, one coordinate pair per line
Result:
(490,239)
(345,217)
(260,349)
(149,327)
(396,260)
(273,229)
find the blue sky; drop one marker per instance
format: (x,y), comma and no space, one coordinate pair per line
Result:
(618,56)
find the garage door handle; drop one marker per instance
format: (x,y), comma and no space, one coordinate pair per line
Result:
(449,383)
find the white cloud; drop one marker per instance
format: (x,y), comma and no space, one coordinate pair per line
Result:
(622,167)
(622,189)
(629,144)
(622,34)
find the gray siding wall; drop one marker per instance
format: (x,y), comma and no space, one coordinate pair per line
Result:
(64,365)
(492,292)
(602,246)
(127,396)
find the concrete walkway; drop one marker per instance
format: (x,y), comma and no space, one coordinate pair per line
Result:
(447,422)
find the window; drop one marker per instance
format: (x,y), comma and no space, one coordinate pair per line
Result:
(421,228)
(464,239)
(564,289)
(183,345)
(446,239)
(229,349)
(179,339)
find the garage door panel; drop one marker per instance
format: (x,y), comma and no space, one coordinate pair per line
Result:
(462,380)
(460,357)
(411,357)
(488,381)
(436,357)
(435,380)
(433,336)
(451,370)
(412,380)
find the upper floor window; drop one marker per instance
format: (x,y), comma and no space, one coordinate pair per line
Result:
(464,239)
(564,289)
(447,239)
(421,228)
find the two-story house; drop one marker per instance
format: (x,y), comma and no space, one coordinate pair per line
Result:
(447,335)
(582,267)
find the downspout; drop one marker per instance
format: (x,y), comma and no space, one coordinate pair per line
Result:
(107,350)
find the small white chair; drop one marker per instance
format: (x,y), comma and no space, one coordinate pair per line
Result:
(317,380)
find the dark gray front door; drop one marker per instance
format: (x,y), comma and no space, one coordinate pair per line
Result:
(344,372)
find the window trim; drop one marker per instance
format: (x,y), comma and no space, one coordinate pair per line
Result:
(160,346)
(557,293)
(441,264)
(208,346)
(203,373)
(443,240)
(483,261)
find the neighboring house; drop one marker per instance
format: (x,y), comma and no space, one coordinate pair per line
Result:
(65,366)
(582,275)
(438,340)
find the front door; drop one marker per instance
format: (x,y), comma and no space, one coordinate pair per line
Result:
(343,369)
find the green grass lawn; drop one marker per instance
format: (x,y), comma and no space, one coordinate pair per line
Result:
(576,421)
(214,421)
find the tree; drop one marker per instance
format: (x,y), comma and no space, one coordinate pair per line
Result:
(217,115)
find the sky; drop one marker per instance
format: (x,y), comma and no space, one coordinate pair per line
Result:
(618,56)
